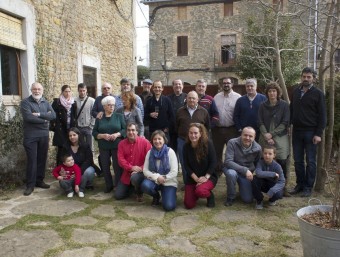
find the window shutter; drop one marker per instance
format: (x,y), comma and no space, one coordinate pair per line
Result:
(11,32)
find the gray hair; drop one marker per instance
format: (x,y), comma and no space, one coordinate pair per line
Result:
(251,81)
(108,99)
(201,81)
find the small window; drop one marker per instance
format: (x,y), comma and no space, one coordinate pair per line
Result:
(228,49)
(337,57)
(182,46)
(228,9)
(182,13)
(90,80)
(10,81)
(278,4)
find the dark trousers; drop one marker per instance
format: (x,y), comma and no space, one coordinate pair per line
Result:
(36,152)
(303,145)
(105,156)
(86,135)
(260,185)
(67,185)
(220,137)
(123,190)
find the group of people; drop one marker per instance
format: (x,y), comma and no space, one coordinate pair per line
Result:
(146,137)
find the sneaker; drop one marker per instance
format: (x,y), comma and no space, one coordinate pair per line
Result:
(211,200)
(28,191)
(70,195)
(272,203)
(42,184)
(229,202)
(259,205)
(81,194)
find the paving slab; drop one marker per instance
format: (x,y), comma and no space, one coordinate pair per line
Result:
(49,207)
(5,222)
(40,224)
(23,243)
(294,250)
(232,245)
(184,223)
(207,232)
(83,252)
(131,250)
(146,212)
(232,215)
(101,196)
(84,236)
(177,243)
(121,225)
(80,221)
(104,211)
(146,232)
(252,231)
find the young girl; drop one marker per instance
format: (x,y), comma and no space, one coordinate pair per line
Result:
(69,176)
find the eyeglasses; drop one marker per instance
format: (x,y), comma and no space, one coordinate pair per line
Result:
(106,88)
(110,105)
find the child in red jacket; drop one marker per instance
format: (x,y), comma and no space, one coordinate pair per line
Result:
(69,176)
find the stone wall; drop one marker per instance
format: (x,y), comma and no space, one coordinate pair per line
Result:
(68,32)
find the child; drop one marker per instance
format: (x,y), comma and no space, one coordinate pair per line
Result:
(69,175)
(268,179)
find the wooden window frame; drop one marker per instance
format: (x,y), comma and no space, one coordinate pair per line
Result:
(182,46)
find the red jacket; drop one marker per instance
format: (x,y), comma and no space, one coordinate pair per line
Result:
(68,173)
(132,154)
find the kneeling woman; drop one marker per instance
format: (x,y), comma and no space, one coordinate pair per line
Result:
(160,170)
(200,163)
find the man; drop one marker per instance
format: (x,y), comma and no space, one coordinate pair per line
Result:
(145,96)
(127,86)
(158,111)
(222,133)
(207,102)
(247,107)
(84,118)
(308,117)
(241,158)
(131,156)
(37,113)
(98,110)
(177,99)
(190,113)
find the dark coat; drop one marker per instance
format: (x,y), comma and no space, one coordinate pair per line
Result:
(59,125)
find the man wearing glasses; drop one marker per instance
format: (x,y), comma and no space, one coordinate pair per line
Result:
(98,109)
(225,130)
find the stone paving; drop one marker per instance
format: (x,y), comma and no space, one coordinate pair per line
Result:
(47,223)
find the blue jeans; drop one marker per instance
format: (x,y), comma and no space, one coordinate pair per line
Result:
(123,190)
(169,197)
(233,177)
(180,144)
(87,178)
(303,145)
(260,185)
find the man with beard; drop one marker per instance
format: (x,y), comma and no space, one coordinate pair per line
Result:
(225,130)
(308,117)
(37,114)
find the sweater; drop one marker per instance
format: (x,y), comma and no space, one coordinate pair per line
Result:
(246,111)
(206,166)
(183,120)
(171,177)
(269,171)
(85,118)
(132,154)
(308,113)
(166,117)
(135,116)
(83,157)
(177,101)
(69,173)
(36,126)
(240,159)
(208,103)
(119,103)
(109,125)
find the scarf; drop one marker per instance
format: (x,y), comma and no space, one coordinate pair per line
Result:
(163,157)
(66,103)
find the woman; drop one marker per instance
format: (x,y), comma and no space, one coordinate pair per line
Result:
(200,163)
(66,113)
(109,131)
(83,157)
(273,119)
(131,112)
(160,170)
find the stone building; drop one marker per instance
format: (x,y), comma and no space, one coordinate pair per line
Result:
(61,42)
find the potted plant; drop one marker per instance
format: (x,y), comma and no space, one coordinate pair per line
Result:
(320,227)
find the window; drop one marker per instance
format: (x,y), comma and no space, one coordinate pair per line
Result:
(10,81)
(337,57)
(228,49)
(90,80)
(182,46)
(228,9)
(278,4)
(182,13)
